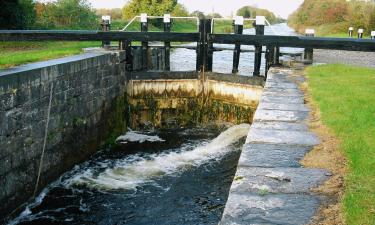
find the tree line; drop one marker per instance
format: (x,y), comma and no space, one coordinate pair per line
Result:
(79,14)
(337,14)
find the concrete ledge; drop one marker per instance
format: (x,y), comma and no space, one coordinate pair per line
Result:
(270,186)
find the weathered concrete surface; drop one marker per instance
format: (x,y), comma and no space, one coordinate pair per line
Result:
(270,186)
(183,100)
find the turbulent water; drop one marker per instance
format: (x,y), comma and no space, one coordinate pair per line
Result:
(180,177)
(184,59)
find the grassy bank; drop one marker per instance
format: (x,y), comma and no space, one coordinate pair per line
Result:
(346,97)
(16,53)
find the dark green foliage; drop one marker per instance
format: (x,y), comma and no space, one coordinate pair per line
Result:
(66,14)
(16,14)
(151,7)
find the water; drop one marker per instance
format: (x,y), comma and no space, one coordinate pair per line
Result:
(180,177)
(185,59)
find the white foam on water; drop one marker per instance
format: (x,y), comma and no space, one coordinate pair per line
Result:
(134,136)
(129,174)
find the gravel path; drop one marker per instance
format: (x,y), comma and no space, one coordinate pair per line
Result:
(366,59)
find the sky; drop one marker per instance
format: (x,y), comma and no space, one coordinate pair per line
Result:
(225,7)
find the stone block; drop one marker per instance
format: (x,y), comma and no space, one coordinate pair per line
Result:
(282,137)
(272,155)
(281,116)
(281,106)
(280,209)
(277,180)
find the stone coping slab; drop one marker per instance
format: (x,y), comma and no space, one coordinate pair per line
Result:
(282,137)
(280,115)
(281,209)
(272,155)
(270,186)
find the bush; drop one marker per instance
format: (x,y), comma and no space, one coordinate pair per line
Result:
(66,14)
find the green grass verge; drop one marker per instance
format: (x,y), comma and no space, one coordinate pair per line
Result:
(16,53)
(346,97)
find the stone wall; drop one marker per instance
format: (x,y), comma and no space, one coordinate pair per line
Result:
(88,107)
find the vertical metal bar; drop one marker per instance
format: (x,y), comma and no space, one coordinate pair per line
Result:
(144,28)
(259,30)
(208,47)
(167,45)
(200,45)
(238,29)
(269,57)
(276,58)
(127,46)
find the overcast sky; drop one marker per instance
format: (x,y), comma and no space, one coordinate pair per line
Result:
(224,7)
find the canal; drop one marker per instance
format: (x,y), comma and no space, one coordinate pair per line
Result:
(157,177)
(163,177)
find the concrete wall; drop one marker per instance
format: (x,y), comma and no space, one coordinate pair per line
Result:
(183,100)
(87,109)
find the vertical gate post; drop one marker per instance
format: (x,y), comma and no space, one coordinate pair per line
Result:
(269,58)
(276,57)
(167,45)
(260,22)
(309,52)
(238,29)
(106,26)
(200,45)
(126,45)
(208,46)
(360,33)
(351,31)
(144,28)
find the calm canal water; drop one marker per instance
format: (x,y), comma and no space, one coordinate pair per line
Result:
(183,177)
(184,59)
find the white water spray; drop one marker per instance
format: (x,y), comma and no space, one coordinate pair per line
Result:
(131,174)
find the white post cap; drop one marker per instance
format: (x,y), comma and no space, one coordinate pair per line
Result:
(143,17)
(360,31)
(351,28)
(260,20)
(167,18)
(238,20)
(106,18)
(309,31)
(372,33)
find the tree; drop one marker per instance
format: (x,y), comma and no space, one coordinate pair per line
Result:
(17,14)
(197,13)
(66,14)
(151,7)
(244,11)
(180,10)
(251,11)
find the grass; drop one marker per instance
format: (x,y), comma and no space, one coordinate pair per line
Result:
(16,53)
(346,97)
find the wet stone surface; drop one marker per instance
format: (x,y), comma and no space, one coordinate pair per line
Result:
(270,186)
